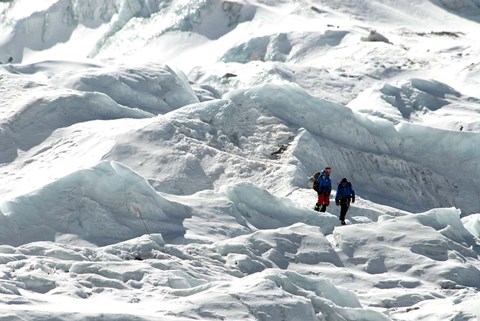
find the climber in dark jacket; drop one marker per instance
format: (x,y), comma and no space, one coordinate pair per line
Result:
(345,195)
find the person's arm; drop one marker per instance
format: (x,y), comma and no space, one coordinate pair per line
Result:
(337,195)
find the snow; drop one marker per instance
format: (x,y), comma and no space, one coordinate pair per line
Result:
(155,155)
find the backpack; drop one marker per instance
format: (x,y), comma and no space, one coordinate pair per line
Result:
(312,182)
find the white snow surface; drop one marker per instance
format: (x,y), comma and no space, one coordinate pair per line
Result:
(154,158)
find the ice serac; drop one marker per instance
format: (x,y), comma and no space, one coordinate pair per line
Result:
(371,150)
(102,205)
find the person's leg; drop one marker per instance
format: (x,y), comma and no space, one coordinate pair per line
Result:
(343,210)
(319,202)
(324,200)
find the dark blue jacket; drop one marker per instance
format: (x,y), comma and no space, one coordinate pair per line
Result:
(324,183)
(344,191)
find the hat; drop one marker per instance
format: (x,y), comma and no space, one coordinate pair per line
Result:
(344,180)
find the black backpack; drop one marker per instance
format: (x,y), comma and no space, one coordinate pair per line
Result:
(315,183)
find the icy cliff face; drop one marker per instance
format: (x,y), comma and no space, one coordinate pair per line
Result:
(44,26)
(384,161)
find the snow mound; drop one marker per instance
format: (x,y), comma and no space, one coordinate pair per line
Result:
(30,120)
(213,18)
(263,210)
(156,89)
(375,36)
(205,143)
(408,100)
(102,205)
(277,248)
(417,95)
(284,46)
(472,224)
(50,68)
(446,255)
(300,297)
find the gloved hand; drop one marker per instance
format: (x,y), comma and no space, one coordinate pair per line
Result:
(353,200)
(337,203)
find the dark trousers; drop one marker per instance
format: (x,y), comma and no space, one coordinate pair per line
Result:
(344,205)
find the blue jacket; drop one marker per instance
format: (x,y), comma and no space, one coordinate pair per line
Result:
(344,191)
(324,183)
